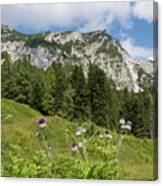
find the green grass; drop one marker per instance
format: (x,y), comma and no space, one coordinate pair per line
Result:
(19,120)
(136,158)
(19,128)
(13,112)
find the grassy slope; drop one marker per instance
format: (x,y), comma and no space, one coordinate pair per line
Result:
(19,121)
(19,126)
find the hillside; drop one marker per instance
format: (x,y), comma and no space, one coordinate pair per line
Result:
(13,112)
(76,48)
(22,156)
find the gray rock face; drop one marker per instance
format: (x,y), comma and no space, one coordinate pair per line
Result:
(78,48)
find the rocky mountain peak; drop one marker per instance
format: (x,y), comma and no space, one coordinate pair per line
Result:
(76,48)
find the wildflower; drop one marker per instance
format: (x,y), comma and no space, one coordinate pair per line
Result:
(129,123)
(74,147)
(78,132)
(123,126)
(83,130)
(41,122)
(106,133)
(80,144)
(101,136)
(122,121)
(110,136)
(41,126)
(128,127)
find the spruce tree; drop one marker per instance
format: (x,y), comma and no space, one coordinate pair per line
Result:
(49,86)
(68,102)
(135,114)
(97,85)
(38,88)
(59,87)
(23,81)
(113,106)
(80,99)
(7,78)
(148,113)
(126,104)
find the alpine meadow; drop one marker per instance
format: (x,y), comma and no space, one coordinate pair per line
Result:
(76,105)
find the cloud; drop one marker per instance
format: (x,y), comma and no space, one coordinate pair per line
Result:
(87,16)
(135,51)
(143,10)
(82,16)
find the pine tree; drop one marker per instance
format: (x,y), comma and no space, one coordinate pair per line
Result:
(7,78)
(113,106)
(135,114)
(59,87)
(139,109)
(97,85)
(38,88)
(49,86)
(80,99)
(22,79)
(148,113)
(126,102)
(68,102)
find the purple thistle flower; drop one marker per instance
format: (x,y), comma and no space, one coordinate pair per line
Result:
(106,133)
(40,120)
(74,147)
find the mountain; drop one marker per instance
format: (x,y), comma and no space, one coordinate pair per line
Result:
(74,47)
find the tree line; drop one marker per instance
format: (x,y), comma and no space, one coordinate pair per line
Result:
(74,95)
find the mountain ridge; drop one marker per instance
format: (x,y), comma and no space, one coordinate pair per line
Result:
(79,49)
